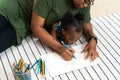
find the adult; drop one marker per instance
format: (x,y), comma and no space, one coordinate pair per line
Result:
(15,17)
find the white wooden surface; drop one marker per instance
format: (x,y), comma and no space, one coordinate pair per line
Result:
(106,28)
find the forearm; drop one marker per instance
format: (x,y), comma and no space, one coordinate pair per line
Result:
(48,39)
(89,34)
(53,31)
(37,24)
(92,41)
(87,29)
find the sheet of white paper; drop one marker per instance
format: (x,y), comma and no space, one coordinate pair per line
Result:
(56,65)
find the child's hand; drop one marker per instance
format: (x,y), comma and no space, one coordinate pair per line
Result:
(71,49)
(67,54)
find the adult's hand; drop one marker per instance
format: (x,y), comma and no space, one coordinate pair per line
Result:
(82,3)
(91,48)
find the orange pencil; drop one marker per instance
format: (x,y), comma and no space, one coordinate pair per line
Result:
(42,69)
(22,64)
(19,64)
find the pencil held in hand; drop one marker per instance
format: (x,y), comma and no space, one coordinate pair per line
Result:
(68,47)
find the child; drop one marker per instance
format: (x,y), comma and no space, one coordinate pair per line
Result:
(69,29)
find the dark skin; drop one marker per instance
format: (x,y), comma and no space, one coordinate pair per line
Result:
(81,3)
(37,23)
(70,37)
(91,46)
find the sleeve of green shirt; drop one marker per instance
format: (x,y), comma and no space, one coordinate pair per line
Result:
(86,13)
(41,8)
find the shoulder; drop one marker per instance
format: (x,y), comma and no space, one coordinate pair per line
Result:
(42,7)
(47,2)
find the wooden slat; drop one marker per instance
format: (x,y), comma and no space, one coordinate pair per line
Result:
(91,71)
(99,72)
(3,74)
(78,75)
(113,24)
(102,43)
(115,20)
(110,44)
(116,16)
(85,74)
(7,67)
(71,76)
(57,78)
(64,77)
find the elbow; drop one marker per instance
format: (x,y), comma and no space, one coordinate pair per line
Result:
(35,29)
(37,24)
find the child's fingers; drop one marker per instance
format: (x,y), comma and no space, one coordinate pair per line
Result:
(67,55)
(72,50)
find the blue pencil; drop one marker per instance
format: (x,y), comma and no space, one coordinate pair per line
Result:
(44,67)
(34,64)
(67,47)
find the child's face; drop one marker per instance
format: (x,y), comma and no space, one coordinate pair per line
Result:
(71,36)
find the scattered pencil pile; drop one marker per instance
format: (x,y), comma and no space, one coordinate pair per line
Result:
(40,67)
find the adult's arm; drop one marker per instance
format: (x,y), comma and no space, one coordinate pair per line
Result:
(37,23)
(91,47)
(88,32)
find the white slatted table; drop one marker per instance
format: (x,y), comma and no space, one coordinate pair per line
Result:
(106,28)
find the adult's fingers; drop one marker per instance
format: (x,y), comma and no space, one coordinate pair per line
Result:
(94,56)
(85,49)
(81,5)
(87,55)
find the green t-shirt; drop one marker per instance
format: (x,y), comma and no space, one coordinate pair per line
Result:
(54,10)
(18,13)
